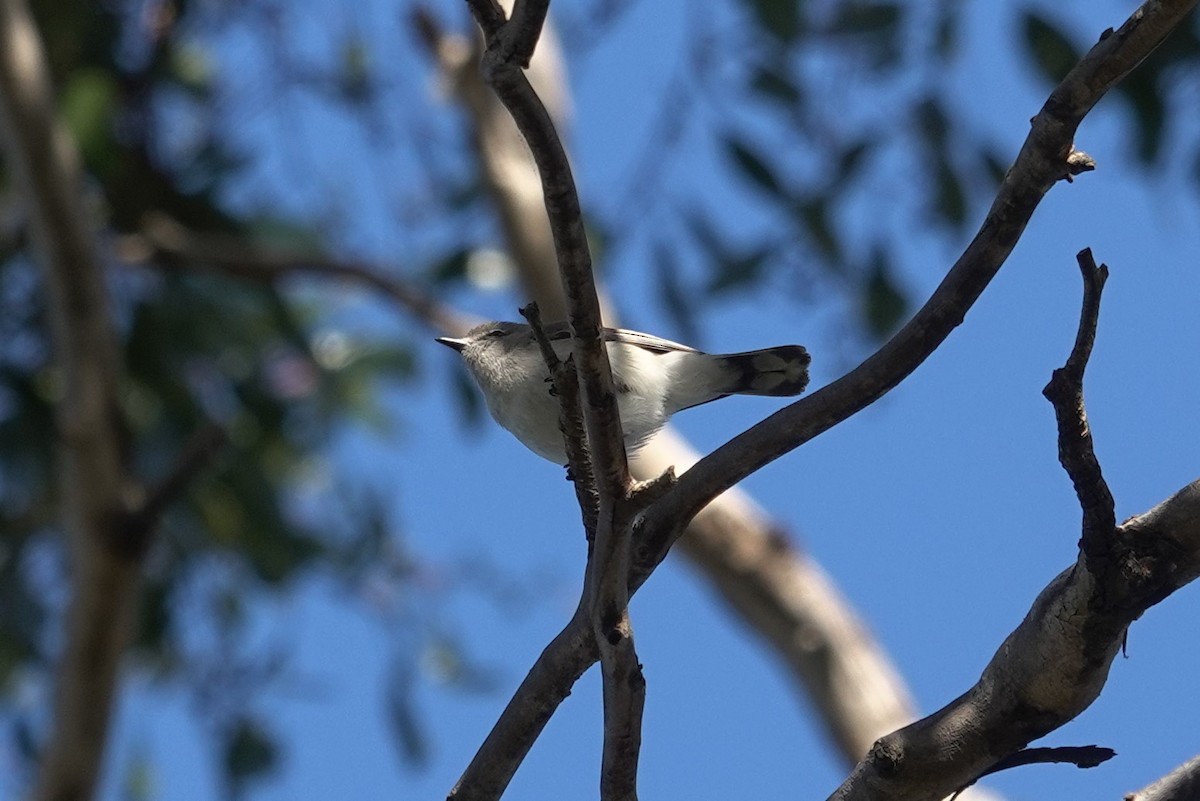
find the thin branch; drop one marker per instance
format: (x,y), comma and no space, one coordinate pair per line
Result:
(1051,668)
(508,52)
(605,440)
(1081,756)
(1181,784)
(89,452)
(570,422)
(523,30)
(1045,158)
(548,682)
(197,454)
(165,243)
(1075,449)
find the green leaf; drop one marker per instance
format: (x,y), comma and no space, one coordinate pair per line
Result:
(283,233)
(780,18)
(405,721)
(1142,90)
(776,86)
(1052,51)
(89,103)
(191,67)
(868,19)
(884,306)
(950,199)
(466,393)
(740,272)
(671,293)
(754,168)
(813,215)
(354,80)
(250,752)
(931,122)
(947,30)
(450,270)
(994,164)
(852,158)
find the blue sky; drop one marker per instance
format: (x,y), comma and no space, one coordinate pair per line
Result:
(941,511)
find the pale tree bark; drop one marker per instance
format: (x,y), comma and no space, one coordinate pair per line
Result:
(106,515)
(92,481)
(1181,784)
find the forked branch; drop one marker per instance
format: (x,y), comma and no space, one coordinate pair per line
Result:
(1075,448)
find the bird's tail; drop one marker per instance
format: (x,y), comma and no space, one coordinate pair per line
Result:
(777,372)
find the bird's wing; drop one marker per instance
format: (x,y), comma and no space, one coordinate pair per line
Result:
(561,330)
(645,341)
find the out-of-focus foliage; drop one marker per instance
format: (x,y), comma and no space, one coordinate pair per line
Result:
(802,100)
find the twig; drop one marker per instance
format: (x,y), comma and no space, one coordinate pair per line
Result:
(164,242)
(603,424)
(1051,668)
(520,36)
(1045,158)
(1181,784)
(197,453)
(1081,756)
(1075,448)
(508,51)
(570,422)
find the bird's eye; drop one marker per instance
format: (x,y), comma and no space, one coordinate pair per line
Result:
(495,333)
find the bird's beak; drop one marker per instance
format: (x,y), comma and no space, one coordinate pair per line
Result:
(451,342)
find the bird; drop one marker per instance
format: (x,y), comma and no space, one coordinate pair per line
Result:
(653,379)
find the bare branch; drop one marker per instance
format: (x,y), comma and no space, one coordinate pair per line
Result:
(197,453)
(92,476)
(624,702)
(508,51)
(1075,449)
(570,422)
(606,443)
(523,30)
(1051,668)
(1181,784)
(1081,756)
(1045,158)
(165,243)
(548,682)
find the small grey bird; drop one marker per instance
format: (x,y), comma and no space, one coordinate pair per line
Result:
(653,378)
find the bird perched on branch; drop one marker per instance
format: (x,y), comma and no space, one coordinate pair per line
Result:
(653,379)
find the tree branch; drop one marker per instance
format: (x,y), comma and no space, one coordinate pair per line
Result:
(1081,756)
(1181,784)
(1045,158)
(1051,668)
(1056,663)
(508,51)
(90,454)
(1075,449)
(505,76)
(107,528)
(197,454)
(164,242)
(570,423)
